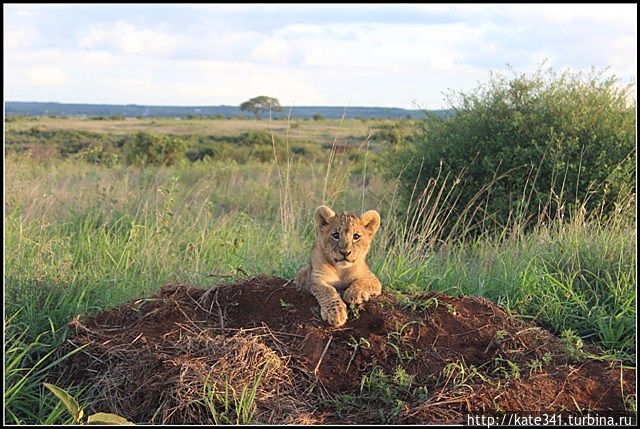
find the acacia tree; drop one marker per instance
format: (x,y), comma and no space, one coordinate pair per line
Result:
(258,104)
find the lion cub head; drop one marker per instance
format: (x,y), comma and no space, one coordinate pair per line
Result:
(345,238)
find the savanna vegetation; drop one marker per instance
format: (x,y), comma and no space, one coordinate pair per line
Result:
(525,195)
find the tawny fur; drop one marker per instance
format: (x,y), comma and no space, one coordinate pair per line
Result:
(338,263)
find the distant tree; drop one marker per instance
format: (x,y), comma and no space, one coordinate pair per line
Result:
(259,104)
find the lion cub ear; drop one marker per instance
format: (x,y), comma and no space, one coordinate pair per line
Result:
(371,220)
(323,216)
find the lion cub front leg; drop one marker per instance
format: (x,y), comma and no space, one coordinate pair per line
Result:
(362,289)
(301,277)
(332,309)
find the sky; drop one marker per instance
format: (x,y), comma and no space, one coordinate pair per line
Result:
(400,55)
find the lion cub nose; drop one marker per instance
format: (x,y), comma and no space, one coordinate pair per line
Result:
(345,254)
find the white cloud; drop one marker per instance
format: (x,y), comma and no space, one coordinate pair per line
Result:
(622,55)
(608,14)
(535,14)
(100,77)
(126,38)
(392,47)
(46,76)
(274,51)
(98,58)
(19,36)
(207,81)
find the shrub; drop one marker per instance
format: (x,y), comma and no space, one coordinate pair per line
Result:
(258,138)
(98,154)
(150,149)
(299,150)
(533,147)
(393,134)
(264,154)
(200,153)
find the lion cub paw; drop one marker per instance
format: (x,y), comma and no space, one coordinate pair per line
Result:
(356,295)
(334,313)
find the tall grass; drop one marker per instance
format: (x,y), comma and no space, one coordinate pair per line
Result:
(82,238)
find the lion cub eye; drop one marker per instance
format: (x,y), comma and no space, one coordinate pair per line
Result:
(356,236)
(335,235)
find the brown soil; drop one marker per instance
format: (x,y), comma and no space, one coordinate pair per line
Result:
(428,359)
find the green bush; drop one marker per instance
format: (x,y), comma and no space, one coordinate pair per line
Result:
(200,153)
(257,138)
(532,148)
(151,149)
(67,142)
(264,154)
(98,154)
(394,133)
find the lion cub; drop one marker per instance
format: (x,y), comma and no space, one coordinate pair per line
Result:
(338,263)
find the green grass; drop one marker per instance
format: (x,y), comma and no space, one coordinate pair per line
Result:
(579,276)
(82,238)
(323,131)
(237,140)
(230,407)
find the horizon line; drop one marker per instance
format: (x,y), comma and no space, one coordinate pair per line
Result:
(217,105)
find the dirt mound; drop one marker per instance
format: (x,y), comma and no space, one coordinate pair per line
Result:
(258,351)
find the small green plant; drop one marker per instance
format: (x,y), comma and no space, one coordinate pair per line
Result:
(390,391)
(421,392)
(355,311)
(230,407)
(345,404)
(356,345)
(573,345)
(501,334)
(396,341)
(285,305)
(78,413)
(506,368)
(537,365)
(418,304)
(451,309)
(402,378)
(463,375)
(612,329)
(630,404)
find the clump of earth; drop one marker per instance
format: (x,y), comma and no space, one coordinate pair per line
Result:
(258,351)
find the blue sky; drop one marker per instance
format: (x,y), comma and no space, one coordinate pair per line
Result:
(339,55)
